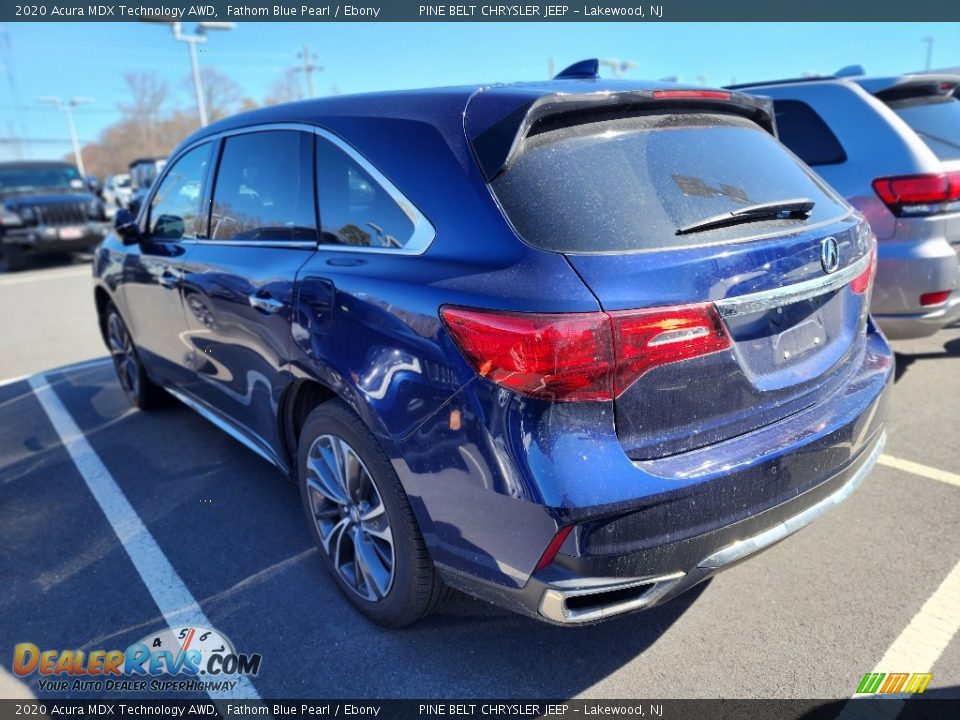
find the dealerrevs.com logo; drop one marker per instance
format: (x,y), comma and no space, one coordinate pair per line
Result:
(182,659)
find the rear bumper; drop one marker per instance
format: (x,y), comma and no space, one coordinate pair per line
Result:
(38,241)
(905,271)
(906,327)
(572,592)
(690,515)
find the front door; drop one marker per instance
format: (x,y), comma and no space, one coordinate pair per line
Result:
(149,297)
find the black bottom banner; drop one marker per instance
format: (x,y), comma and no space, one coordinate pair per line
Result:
(860,709)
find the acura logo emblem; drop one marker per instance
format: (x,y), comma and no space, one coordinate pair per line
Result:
(829,255)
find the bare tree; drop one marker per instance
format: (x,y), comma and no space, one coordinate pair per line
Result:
(286,89)
(147,98)
(221,95)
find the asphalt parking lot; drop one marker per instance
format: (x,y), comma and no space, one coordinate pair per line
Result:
(877,580)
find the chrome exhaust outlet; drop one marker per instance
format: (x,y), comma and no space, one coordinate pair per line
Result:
(589,599)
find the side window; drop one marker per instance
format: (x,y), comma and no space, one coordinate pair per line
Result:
(264,188)
(175,208)
(354,208)
(805,132)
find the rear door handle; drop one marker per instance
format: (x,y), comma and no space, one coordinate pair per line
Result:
(265,303)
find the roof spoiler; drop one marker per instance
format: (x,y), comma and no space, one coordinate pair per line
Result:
(497,145)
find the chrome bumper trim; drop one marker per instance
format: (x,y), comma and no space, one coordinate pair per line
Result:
(748,546)
(778,297)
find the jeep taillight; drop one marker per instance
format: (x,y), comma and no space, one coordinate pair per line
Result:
(928,194)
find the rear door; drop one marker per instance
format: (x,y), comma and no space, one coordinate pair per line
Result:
(238,281)
(622,198)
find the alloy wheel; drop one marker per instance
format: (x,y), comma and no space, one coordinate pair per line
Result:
(123,354)
(350,516)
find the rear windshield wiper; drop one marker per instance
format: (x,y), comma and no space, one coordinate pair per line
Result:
(795,209)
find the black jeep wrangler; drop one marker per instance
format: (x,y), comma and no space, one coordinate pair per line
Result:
(46,207)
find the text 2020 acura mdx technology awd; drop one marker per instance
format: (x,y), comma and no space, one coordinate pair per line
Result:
(571,347)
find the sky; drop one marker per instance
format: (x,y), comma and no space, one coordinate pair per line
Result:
(88,59)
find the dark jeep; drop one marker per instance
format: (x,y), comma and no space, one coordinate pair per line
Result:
(46,207)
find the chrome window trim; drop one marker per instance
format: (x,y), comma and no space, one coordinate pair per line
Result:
(778,297)
(423,231)
(287,244)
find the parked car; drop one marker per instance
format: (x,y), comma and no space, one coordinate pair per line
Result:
(46,207)
(891,146)
(143,171)
(117,190)
(558,345)
(94,185)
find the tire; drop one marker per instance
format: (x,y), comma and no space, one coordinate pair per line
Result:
(140,390)
(14,258)
(395,583)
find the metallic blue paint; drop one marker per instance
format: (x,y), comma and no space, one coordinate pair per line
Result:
(492,475)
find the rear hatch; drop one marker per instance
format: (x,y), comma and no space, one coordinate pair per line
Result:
(929,106)
(625,199)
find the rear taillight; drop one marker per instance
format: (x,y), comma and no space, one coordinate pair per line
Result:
(645,339)
(581,356)
(919,194)
(862,282)
(934,298)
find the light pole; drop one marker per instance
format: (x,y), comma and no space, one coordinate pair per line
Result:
(619,67)
(67,108)
(929,41)
(308,68)
(200,36)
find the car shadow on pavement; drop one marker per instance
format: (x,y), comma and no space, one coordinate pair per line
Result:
(904,360)
(236,535)
(51,261)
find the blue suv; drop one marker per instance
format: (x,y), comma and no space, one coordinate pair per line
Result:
(571,347)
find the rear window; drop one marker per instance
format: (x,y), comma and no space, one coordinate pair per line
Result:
(629,184)
(936,119)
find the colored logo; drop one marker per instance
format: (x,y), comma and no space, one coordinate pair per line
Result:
(829,255)
(203,656)
(894,683)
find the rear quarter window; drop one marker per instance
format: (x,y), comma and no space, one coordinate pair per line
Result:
(936,119)
(803,131)
(629,184)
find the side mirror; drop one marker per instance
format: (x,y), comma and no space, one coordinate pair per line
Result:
(125,223)
(134,204)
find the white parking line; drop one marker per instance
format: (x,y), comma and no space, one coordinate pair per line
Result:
(917,648)
(82,365)
(921,470)
(169,592)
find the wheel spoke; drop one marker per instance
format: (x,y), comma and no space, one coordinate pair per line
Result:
(373,512)
(117,335)
(335,538)
(318,480)
(353,472)
(329,450)
(375,574)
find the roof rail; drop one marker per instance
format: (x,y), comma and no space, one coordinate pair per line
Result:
(583,70)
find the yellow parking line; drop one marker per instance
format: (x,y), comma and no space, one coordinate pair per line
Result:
(921,470)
